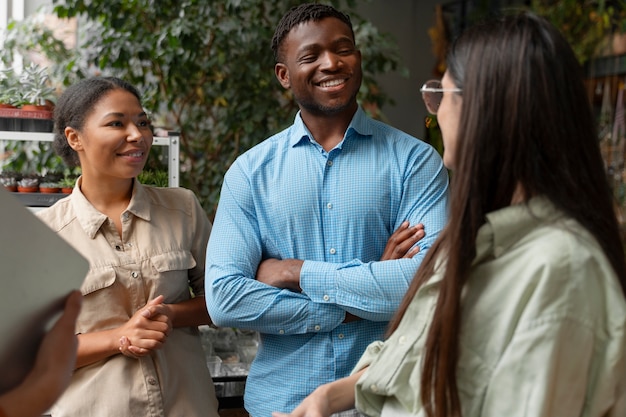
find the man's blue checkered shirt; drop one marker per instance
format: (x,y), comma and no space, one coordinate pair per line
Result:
(287,198)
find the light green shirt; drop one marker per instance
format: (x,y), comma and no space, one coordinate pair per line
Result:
(543,327)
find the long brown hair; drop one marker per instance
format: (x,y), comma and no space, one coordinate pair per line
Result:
(526,120)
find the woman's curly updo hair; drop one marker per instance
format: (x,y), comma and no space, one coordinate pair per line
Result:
(76,104)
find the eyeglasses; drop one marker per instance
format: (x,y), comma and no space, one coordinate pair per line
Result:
(432,93)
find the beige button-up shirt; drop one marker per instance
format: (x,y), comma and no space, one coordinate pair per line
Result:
(543,329)
(162,251)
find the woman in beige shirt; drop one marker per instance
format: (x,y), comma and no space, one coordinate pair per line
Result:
(139,352)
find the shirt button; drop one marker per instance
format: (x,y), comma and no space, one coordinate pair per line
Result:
(332,251)
(152,381)
(329,205)
(134,274)
(340,335)
(326,298)
(118,247)
(374,388)
(317,327)
(281,331)
(329,163)
(402,340)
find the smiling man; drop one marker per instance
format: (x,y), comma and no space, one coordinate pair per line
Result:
(316,235)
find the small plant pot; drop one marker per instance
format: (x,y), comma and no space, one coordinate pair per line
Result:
(49,190)
(34,107)
(9,183)
(21,189)
(66,190)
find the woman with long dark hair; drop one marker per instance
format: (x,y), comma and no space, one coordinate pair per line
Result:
(519,307)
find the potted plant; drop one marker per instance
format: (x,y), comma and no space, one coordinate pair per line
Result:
(49,187)
(9,89)
(28,184)
(9,180)
(37,93)
(49,183)
(67,184)
(36,96)
(9,98)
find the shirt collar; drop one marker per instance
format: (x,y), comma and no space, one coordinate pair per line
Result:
(140,202)
(91,220)
(505,227)
(359,127)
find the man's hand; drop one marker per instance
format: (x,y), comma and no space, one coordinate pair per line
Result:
(398,246)
(400,242)
(278,273)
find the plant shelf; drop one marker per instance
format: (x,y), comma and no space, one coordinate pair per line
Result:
(172,141)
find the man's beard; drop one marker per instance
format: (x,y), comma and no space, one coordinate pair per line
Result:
(314,107)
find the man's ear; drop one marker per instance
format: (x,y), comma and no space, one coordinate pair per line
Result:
(282,74)
(73,139)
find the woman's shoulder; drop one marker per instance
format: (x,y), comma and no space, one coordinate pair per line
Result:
(58,215)
(166,192)
(560,266)
(544,233)
(173,198)
(565,239)
(539,253)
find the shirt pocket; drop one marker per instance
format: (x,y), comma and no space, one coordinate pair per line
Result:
(97,279)
(102,304)
(181,260)
(172,274)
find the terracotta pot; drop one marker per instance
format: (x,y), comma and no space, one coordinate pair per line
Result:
(21,189)
(11,188)
(66,190)
(47,190)
(34,107)
(7,106)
